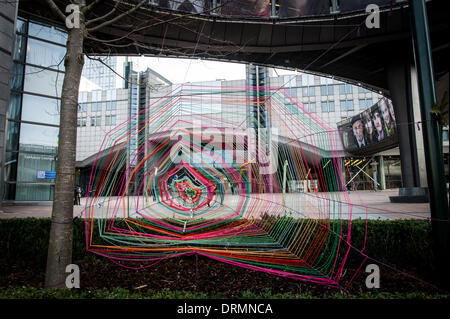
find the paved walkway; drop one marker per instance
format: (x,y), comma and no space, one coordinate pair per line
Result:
(361,204)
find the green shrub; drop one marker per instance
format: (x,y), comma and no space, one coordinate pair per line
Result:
(399,243)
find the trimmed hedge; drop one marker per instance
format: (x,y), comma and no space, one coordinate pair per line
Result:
(404,244)
(120,293)
(27,240)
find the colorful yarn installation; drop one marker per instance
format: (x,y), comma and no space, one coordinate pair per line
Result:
(216,171)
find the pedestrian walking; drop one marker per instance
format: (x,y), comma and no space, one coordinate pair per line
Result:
(76,195)
(79,194)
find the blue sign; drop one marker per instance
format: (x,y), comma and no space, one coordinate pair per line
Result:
(46,174)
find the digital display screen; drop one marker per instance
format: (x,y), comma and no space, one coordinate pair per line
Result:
(370,131)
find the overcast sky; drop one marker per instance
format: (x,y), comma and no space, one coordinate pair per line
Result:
(191,70)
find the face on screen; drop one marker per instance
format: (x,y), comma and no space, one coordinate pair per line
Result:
(391,110)
(385,112)
(377,121)
(368,124)
(358,130)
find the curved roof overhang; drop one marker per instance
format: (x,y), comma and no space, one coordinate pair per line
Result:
(339,46)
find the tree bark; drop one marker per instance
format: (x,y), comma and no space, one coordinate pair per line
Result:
(60,243)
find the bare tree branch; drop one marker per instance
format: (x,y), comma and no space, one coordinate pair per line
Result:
(98,59)
(117,18)
(56,10)
(89,7)
(89,22)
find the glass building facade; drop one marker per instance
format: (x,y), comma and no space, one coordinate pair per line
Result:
(33,113)
(101,73)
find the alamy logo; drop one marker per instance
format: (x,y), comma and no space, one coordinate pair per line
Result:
(373,19)
(373,279)
(73,279)
(73,19)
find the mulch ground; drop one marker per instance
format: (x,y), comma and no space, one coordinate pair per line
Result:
(204,275)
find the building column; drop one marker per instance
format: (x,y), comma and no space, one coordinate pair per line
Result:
(8,18)
(374,165)
(401,91)
(382,176)
(418,129)
(344,174)
(432,142)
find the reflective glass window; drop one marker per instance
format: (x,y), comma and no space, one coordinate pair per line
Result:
(82,97)
(345,89)
(111,94)
(362,104)
(42,81)
(307,79)
(17,77)
(21,25)
(12,136)
(362,90)
(349,88)
(330,89)
(11,166)
(96,96)
(20,46)
(306,91)
(350,105)
(330,106)
(31,167)
(96,120)
(40,109)
(15,102)
(82,107)
(365,103)
(38,138)
(96,107)
(46,54)
(49,33)
(81,121)
(111,105)
(34,192)
(293,92)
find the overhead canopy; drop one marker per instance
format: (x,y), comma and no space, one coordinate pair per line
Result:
(337,45)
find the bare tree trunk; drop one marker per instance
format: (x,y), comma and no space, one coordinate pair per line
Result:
(60,243)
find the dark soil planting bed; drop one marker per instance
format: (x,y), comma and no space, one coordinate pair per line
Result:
(24,245)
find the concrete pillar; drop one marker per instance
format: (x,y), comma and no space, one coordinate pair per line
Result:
(381,173)
(400,85)
(375,182)
(418,129)
(399,82)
